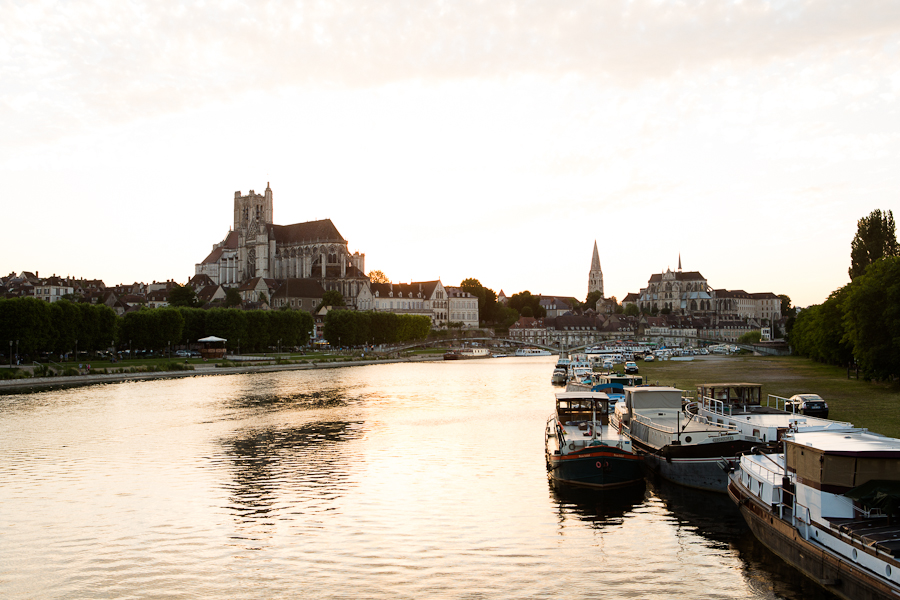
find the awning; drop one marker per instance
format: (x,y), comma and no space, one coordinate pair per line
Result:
(212,338)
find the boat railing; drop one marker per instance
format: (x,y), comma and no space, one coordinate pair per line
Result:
(716,406)
(778,402)
(649,423)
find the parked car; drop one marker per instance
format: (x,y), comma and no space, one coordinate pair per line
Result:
(807,404)
(649,358)
(183,353)
(631,367)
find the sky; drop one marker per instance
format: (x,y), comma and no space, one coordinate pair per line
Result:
(455,139)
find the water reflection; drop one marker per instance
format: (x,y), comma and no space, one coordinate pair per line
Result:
(716,519)
(598,508)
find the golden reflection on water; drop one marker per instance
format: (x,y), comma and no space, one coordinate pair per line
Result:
(387,481)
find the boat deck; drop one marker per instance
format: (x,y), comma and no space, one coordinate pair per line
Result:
(877,532)
(676,420)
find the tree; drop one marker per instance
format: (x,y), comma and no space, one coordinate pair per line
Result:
(632,310)
(489,310)
(331,298)
(751,337)
(523,299)
(591,300)
(182,295)
(875,238)
(378,277)
(872,319)
(786,309)
(232,298)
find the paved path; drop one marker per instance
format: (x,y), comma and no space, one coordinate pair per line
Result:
(39,383)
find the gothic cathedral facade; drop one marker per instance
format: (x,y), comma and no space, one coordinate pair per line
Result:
(256,247)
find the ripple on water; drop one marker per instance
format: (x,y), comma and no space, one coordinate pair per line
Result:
(390,481)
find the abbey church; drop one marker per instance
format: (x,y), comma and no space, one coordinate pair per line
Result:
(256,247)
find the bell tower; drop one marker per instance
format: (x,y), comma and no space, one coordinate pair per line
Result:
(595,278)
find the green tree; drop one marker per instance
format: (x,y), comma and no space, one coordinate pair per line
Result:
(523,299)
(227,323)
(751,337)
(64,321)
(194,324)
(257,338)
(331,298)
(875,238)
(786,308)
(632,310)
(872,319)
(26,321)
(591,300)
(232,298)
(182,295)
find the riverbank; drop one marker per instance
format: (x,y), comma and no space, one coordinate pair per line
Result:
(34,384)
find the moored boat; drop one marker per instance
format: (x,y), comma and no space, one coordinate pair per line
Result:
(532,352)
(829,506)
(739,406)
(582,449)
(559,376)
(686,449)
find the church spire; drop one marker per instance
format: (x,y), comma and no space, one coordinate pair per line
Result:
(679,262)
(595,278)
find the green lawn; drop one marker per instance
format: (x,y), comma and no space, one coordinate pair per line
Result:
(872,405)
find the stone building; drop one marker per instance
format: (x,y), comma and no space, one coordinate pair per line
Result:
(427,298)
(462,307)
(679,291)
(257,247)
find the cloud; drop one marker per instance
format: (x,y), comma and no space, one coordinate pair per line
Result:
(65,65)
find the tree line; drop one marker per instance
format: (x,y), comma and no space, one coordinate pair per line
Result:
(62,327)
(859,322)
(361,328)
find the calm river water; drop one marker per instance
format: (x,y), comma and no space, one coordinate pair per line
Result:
(388,481)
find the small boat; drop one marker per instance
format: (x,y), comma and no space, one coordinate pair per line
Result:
(475,353)
(829,506)
(532,352)
(559,376)
(583,449)
(452,355)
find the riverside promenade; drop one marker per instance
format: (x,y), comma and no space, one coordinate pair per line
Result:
(32,384)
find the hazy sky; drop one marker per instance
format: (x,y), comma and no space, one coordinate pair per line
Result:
(455,139)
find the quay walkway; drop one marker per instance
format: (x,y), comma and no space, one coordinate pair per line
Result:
(31,384)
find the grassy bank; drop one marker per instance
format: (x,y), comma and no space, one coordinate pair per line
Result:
(865,404)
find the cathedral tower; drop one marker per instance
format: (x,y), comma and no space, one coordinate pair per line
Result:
(252,207)
(595,279)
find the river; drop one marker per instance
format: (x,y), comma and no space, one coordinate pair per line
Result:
(411,480)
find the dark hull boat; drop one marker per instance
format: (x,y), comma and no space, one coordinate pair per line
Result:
(581,447)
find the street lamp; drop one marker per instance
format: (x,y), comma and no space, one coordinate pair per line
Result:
(10,354)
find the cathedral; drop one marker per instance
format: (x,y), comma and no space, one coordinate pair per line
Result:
(256,247)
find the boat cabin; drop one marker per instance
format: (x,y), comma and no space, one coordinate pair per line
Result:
(734,394)
(582,407)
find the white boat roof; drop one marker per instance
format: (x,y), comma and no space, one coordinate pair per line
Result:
(654,397)
(585,394)
(859,440)
(796,419)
